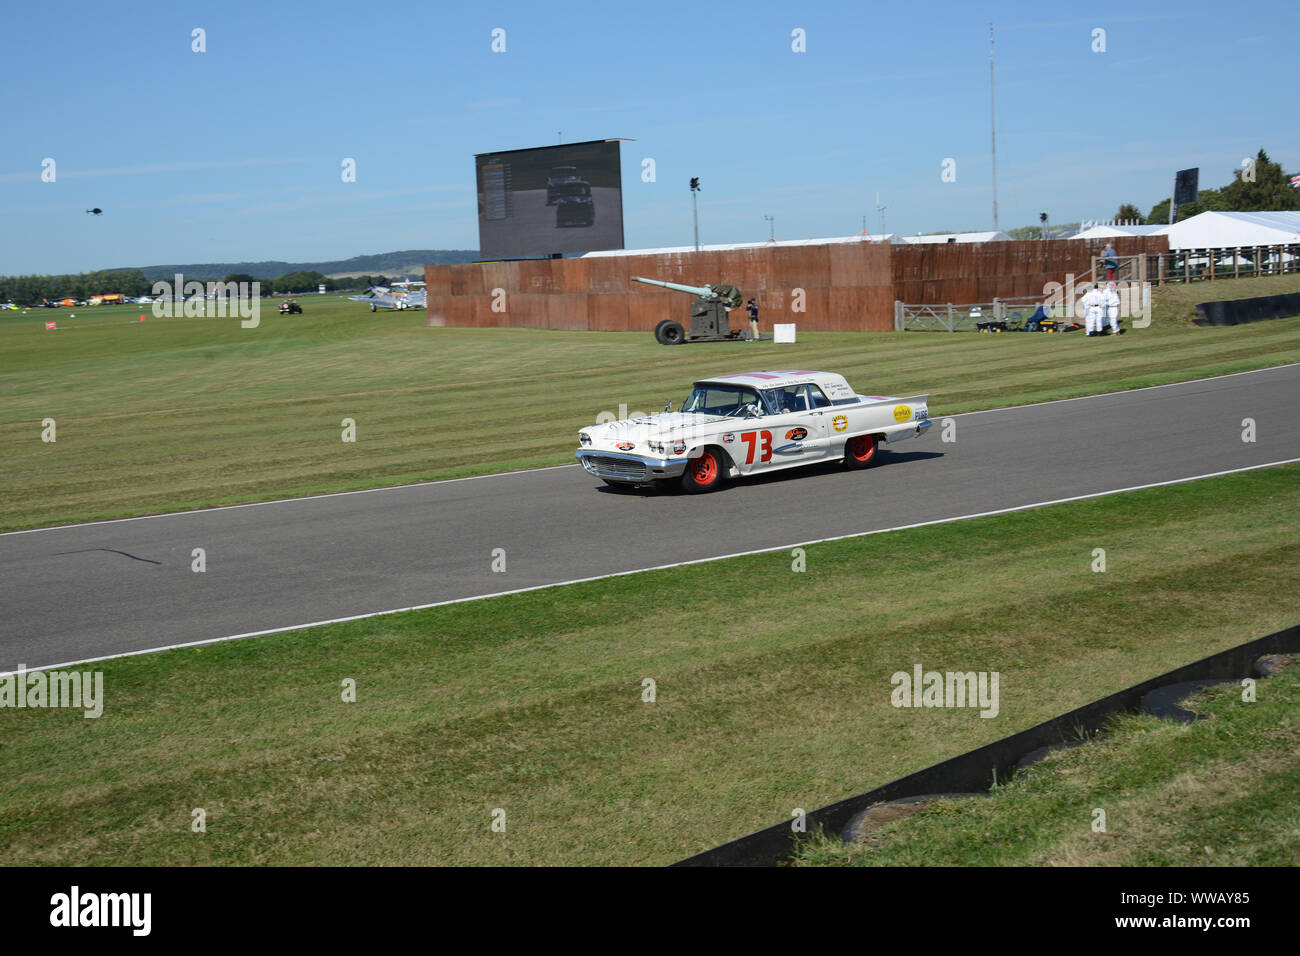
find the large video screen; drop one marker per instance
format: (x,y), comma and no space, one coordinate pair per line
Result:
(535,202)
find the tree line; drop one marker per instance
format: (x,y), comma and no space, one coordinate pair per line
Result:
(35,289)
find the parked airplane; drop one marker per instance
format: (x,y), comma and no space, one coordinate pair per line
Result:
(406,294)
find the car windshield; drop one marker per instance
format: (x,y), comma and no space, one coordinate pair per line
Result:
(713,399)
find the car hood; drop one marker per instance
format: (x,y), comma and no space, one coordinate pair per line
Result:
(661,427)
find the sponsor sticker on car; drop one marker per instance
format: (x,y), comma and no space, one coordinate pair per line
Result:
(839,423)
(796,434)
(728,438)
(902,413)
(625,446)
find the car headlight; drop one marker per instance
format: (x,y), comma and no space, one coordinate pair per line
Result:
(584,439)
(656,447)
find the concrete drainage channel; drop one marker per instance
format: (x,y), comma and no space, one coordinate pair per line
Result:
(972,774)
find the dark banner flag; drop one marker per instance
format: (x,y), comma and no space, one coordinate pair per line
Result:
(1185,184)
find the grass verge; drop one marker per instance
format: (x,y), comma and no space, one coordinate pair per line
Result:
(772,691)
(1219,792)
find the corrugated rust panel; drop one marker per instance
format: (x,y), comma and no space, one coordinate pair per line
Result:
(879,312)
(500,275)
(608,274)
(571,275)
(435,307)
(466,279)
(608,313)
(458,311)
(815,315)
(437,280)
(858,264)
(644,312)
(802,267)
(849,309)
(567,311)
(748,269)
(534,275)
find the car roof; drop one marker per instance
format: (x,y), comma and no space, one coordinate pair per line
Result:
(776,379)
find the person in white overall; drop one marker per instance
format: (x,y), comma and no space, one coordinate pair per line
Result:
(1093,303)
(1112,308)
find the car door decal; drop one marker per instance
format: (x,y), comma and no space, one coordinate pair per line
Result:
(751,440)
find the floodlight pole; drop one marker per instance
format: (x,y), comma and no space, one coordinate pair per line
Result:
(993,127)
(695,210)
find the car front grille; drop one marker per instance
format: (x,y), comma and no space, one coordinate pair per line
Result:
(607,466)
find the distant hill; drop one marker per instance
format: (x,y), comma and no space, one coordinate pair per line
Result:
(410,261)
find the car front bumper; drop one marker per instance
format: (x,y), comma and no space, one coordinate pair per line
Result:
(635,469)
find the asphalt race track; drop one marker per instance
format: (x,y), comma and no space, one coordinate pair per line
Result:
(82,592)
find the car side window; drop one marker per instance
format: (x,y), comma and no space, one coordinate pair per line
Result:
(790,398)
(818,398)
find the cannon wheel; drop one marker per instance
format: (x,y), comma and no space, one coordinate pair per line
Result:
(669,332)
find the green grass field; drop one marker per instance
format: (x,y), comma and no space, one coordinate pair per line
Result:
(772,692)
(172,414)
(1219,792)
(1175,305)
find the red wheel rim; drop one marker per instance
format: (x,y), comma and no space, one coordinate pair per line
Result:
(862,448)
(704,470)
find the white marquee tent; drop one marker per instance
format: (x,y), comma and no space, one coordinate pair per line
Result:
(1220,230)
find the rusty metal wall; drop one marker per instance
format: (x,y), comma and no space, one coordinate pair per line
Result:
(840,287)
(977,272)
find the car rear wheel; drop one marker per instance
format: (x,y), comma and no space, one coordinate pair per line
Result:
(703,473)
(860,451)
(669,332)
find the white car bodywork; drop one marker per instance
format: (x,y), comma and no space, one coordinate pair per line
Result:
(751,423)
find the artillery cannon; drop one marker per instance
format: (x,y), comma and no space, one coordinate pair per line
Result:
(709,320)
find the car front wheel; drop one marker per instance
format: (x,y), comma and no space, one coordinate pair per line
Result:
(703,473)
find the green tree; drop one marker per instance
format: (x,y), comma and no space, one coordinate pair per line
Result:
(1261,187)
(1128,212)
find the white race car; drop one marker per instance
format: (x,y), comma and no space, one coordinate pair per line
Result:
(736,425)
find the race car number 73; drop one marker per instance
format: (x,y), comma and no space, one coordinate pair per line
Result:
(751,439)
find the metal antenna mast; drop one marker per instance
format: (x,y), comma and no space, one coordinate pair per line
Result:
(993,127)
(881,209)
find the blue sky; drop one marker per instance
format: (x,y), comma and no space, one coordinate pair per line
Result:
(235,153)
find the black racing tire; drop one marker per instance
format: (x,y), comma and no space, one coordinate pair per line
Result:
(669,332)
(861,451)
(705,473)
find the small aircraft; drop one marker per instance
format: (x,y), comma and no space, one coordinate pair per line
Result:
(406,294)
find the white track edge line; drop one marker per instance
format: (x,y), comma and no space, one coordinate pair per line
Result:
(660,567)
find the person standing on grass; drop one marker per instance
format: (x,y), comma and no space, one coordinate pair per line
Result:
(752,309)
(1093,303)
(1112,308)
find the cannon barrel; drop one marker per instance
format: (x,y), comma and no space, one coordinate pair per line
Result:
(729,295)
(701,291)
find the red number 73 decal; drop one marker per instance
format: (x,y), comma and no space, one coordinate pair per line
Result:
(751,439)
